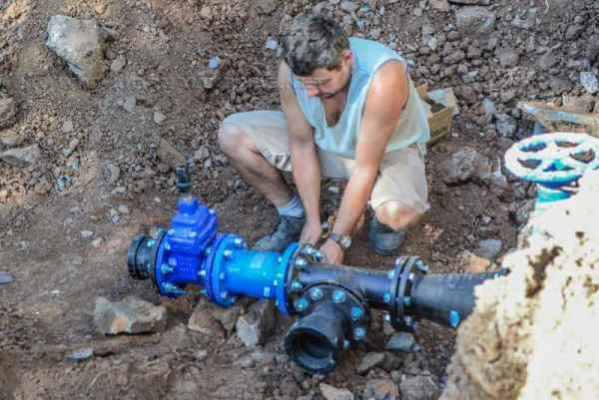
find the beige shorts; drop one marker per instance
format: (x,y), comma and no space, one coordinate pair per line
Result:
(401,177)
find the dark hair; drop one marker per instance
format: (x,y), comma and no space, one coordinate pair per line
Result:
(313,41)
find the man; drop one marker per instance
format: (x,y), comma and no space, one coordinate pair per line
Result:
(350,110)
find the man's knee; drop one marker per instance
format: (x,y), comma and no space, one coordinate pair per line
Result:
(232,138)
(398,216)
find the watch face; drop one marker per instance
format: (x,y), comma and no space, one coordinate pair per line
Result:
(345,241)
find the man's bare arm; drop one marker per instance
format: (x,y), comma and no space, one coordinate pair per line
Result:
(304,159)
(386,98)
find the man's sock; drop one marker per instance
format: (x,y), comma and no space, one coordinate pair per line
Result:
(294,208)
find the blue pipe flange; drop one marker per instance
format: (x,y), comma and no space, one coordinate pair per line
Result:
(553,159)
(407,271)
(283,290)
(216,270)
(346,300)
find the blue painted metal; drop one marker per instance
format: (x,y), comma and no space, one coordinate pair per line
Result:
(554,161)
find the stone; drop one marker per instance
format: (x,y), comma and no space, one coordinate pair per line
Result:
(440,5)
(455,57)
(206,12)
(227,316)
(507,95)
(370,361)
(129,104)
(574,31)
(472,263)
(111,173)
(271,44)
(589,81)
(465,164)
(21,157)
(489,107)
(507,57)
(577,104)
(419,387)
(159,117)
(202,321)
(80,355)
(81,44)
(67,126)
(118,64)
(267,6)
(548,60)
(169,155)
(254,327)
(132,315)
(506,125)
(475,20)
(202,153)
(9,139)
(87,234)
(6,278)
(332,393)
(349,6)
(489,248)
(8,112)
(402,341)
(381,389)
(471,2)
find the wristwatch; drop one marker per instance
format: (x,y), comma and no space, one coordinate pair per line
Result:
(344,241)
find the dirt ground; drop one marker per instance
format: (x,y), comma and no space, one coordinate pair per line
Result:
(67,220)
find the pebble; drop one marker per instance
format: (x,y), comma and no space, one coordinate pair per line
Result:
(81,355)
(214,62)
(271,44)
(589,81)
(370,361)
(87,234)
(159,117)
(489,248)
(5,278)
(332,393)
(402,341)
(67,126)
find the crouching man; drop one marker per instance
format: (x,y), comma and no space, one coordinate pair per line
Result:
(349,110)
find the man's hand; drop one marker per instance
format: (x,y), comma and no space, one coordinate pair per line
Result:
(311,233)
(332,251)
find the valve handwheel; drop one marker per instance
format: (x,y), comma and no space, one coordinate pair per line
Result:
(553,159)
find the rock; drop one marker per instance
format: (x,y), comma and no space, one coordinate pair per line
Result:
(227,316)
(202,321)
(489,107)
(419,387)
(118,64)
(111,173)
(80,355)
(381,389)
(471,2)
(168,154)
(349,6)
(81,44)
(202,153)
(370,361)
(521,213)
(402,341)
(472,263)
(266,6)
(211,80)
(67,126)
(506,125)
(489,248)
(271,44)
(455,57)
(21,157)
(548,61)
(575,104)
(214,62)
(465,164)
(475,20)
(85,235)
(574,31)
(129,103)
(507,57)
(131,315)
(8,112)
(123,209)
(159,117)
(589,81)
(332,393)
(440,5)
(507,95)
(254,327)
(6,278)
(9,139)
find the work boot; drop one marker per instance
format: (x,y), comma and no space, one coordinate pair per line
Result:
(384,240)
(287,231)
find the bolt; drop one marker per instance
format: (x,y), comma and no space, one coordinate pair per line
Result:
(422,267)
(172,261)
(300,262)
(208,251)
(275,283)
(204,292)
(266,292)
(356,313)
(387,298)
(280,259)
(202,273)
(238,242)
(339,296)
(228,254)
(407,301)
(296,286)
(211,211)
(170,288)
(454,318)
(411,277)
(387,318)
(346,344)
(167,246)
(221,276)
(166,269)
(409,321)
(301,304)
(151,243)
(224,294)
(391,274)
(359,333)
(193,234)
(171,232)
(316,294)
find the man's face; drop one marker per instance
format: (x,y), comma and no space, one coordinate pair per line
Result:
(324,83)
